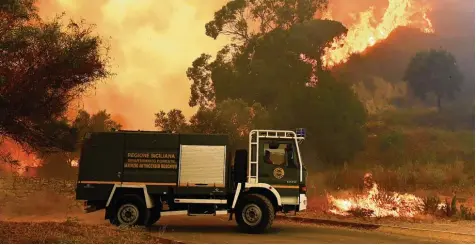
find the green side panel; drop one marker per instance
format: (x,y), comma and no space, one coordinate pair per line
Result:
(287,192)
(149,141)
(151,157)
(138,156)
(101,157)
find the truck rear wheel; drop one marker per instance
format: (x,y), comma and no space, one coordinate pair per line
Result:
(154,216)
(254,213)
(129,211)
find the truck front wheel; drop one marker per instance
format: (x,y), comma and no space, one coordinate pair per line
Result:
(254,213)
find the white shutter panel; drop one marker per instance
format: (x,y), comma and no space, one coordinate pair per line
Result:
(202,164)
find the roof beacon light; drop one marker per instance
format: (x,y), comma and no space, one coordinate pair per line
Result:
(301,132)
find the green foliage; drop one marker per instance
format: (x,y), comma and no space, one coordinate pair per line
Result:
(453,205)
(451,210)
(53,65)
(335,119)
(58,164)
(431,204)
(391,140)
(99,122)
(235,17)
(466,213)
(268,67)
(405,177)
(173,121)
(19,9)
(436,72)
(232,117)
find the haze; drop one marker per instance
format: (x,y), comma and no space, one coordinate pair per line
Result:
(154,42)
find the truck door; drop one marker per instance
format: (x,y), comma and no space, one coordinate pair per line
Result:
(278,166)
(105,154)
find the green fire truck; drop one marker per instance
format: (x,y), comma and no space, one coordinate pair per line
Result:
(137,176)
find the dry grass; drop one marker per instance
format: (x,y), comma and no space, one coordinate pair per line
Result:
(73,232)
(35,210)
(28,197)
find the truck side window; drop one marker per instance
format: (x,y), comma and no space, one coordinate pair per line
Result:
(290,156)
(274,156)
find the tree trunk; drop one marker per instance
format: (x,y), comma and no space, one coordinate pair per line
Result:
(438,98)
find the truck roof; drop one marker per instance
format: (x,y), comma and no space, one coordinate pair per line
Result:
(154,132)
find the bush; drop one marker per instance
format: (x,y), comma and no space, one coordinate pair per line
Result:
(410,176)
(392,140)
(466,213)
(431,204)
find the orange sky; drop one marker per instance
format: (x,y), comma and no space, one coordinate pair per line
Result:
(152,42)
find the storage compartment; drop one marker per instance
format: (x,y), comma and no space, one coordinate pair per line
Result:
(202,165)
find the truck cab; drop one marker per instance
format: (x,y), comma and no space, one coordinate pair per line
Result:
(274,170)
(139,176)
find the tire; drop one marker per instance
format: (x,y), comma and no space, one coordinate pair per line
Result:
(154,217)
(254,214)
(130,210)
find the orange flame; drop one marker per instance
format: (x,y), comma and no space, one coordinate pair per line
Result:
(376,204)
(22,159)
(365,34)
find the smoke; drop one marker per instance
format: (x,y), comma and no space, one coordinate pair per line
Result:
(154,42)
(152,45)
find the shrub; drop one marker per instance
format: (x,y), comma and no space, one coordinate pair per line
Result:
(466,213)
(431,204)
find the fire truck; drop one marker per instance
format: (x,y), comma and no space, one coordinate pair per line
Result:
(139,176)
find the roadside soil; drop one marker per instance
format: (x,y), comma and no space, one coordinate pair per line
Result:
(73,232)
(420,222)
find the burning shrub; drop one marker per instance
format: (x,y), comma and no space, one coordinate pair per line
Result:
(432,204)
(377,204)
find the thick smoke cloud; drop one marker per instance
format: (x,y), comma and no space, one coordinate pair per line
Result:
(152,44)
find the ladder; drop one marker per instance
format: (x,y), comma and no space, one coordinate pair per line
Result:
(254,141)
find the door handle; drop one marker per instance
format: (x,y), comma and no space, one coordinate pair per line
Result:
(119,174)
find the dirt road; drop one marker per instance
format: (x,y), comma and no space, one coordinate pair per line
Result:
(206,229)
(220,230)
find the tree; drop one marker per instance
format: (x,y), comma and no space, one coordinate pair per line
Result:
(434,71)
(285,21)
(232,117)
(279,67)
(173,121)
(266,67)
(58,164)
(336,122)
(100,122)
(43,67)
(235,118)
(237,17)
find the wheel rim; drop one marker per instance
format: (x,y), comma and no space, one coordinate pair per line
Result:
(251,214)
(128,214)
